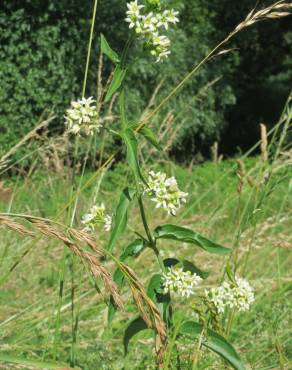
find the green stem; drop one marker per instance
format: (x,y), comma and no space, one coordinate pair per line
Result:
(89,48)
(229,324)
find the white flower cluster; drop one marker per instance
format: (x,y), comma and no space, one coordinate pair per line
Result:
(96,216)
(175,280)
(147,26)
(165,192)
(82,116)
(239,296)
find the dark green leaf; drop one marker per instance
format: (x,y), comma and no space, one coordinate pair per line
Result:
(133,249)
(132,152)
(185,235)
(120,218)
(118,77)
(214,342)
(187,266)
(168,262)
(132,329)
(107,50)
(112,308)
(154,287)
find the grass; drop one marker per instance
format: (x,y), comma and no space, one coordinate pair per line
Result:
(257,223)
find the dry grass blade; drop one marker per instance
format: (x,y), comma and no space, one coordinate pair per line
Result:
(96,268)
(275,11)
(264,142)
(30,135)
(145,305)
(15,226)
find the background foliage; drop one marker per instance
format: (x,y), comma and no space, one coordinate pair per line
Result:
(43,51)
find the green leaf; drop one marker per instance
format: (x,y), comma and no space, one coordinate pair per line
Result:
(123,110)
(118,77)
(133,249)
(147,133)
(120,218)
(132,152)
(36,364)
(185,235)
(150,137)
(107,50)
(132,329)
(214,342)
(155,286)
(187,266)
(112,308)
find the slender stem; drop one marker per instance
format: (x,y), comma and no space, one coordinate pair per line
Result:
(89,48)
(144,220)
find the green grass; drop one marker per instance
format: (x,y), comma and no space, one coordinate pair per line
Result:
(258,225)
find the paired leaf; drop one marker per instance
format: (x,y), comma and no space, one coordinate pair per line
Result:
(120,218)
(107,50)
(185,235)
(187,266)
(132,152)
(132,329)
(214,342)
(118,77)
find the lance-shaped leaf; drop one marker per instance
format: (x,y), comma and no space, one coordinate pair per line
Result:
(132,152)
(214,342)
(132,250)
(147,133)
(187,266)
(118,77)
(107,50)
(185,235)
(132,329)
(120,218)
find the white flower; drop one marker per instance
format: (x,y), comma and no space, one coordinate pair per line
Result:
(108,222)
(95,216)
(165,192)
(168,16)
(160,48)
(148,25)
(238,296)
(171,16)
(133,14)
(82,115)
(175,280)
